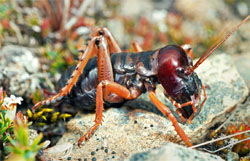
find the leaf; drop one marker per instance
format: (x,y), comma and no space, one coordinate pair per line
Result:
(36,141)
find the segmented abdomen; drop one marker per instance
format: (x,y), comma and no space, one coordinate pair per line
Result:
(130,70)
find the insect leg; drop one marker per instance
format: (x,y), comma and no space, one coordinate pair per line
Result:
(103,87)
(193,106)
(112,43)
(89,52)
(178,106)
(106,85)
(166,111)
(136,47)
(190,103)
(105,73)
(205,96)
(104,66)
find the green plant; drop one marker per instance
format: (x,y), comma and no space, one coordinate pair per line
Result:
(6,127)
(20,147)
(14,135)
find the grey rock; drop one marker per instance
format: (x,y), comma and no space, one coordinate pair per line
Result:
(231,156)
(174,152)
(19,70)
(127,131)
(243,66)
(19,56)
(60,151)
(241,114)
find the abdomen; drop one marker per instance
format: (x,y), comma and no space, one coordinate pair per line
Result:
(83,94)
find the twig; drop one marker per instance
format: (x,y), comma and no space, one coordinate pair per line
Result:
(222,138)
(17,31)
(225,122)
(226,146)
(66,12)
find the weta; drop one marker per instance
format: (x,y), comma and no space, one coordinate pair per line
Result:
(113,76)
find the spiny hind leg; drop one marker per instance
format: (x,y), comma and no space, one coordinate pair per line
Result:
(91,50)
(112,43)
(87,54)
(103,87)
(106,87)
(105,73)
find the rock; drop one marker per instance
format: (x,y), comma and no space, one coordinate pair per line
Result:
(241,114)
(126,131)
(19,70)
(243,66)
(231,156)
(174,152)
(59,151)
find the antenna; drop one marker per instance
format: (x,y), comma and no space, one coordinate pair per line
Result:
(217,44)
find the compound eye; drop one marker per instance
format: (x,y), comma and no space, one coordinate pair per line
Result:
(180,71)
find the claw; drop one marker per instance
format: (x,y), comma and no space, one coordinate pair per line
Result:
(81,140)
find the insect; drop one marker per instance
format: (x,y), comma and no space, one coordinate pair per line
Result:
(113,76)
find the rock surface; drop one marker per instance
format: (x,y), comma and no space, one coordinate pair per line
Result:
(243,66)
(173,152)
(19,70)
(126,131)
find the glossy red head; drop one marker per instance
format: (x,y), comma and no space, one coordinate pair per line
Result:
(176,73)
(173,74)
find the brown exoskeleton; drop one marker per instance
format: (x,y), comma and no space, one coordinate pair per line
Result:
(114,76)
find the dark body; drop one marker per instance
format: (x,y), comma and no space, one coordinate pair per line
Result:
(142,71)
(130,70)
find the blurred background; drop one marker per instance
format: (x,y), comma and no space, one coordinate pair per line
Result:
(56,29)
